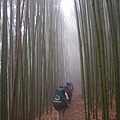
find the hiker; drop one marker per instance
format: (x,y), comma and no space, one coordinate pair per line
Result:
(67,90)
(60,102)
(72,87)
(70,91)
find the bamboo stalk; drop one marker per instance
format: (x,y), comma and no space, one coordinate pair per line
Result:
(4,53)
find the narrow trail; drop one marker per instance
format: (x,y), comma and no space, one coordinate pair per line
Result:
(76,109)
(74,112)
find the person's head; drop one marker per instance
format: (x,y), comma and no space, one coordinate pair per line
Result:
(67,83)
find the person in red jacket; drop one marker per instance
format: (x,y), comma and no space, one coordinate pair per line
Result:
(69,90)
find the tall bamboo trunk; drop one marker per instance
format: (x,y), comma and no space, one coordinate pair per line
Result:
(4,53)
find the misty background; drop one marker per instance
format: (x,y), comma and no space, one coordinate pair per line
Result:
(71,41)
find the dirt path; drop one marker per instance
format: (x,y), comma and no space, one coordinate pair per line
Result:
(75,111)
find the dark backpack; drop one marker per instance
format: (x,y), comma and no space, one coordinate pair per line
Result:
(59,100)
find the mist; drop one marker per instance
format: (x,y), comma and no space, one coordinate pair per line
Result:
(71,42)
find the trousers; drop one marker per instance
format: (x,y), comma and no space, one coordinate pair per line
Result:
(60,114)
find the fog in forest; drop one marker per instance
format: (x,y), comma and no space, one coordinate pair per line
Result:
(71,41)
(46,43)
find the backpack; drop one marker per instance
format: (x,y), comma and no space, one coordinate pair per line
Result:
(59,100)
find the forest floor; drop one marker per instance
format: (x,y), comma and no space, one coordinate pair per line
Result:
(74,112)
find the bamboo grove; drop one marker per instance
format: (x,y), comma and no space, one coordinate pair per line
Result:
(99,40)
(32,59)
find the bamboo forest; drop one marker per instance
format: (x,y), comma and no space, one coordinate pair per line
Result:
(46,43)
